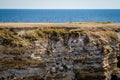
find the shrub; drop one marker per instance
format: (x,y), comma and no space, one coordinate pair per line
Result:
(31,35)
(40,33)
(6,37)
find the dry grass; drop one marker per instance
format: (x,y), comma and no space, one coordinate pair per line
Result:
(105,32)
(104,36)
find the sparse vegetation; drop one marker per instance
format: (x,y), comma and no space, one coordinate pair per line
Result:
(6,37)
(31,35)
(103,22)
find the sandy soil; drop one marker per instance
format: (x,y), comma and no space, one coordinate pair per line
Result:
(35,25)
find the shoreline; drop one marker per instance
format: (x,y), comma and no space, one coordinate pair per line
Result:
(73,24)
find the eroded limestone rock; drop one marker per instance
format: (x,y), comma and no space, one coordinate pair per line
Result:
(62,55)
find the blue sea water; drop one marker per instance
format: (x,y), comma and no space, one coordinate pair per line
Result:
(59,16)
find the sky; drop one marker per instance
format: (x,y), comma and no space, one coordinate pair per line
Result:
(59,4)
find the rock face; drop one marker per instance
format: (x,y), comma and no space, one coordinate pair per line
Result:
(60,53)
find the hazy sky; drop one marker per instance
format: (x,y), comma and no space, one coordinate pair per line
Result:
(60,4)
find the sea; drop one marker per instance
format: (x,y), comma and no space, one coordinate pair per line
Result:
(59,15)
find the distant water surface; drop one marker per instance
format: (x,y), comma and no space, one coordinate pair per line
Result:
(59,16)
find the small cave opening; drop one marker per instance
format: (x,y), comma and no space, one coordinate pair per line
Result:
(118,63)
(114,77)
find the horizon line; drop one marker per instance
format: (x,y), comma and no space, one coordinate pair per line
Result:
(60,8)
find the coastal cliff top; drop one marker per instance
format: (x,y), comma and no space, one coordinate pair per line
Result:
(69,25)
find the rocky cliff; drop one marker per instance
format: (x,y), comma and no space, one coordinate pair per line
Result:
(60,53)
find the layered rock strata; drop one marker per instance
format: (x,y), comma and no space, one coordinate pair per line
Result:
(60,53)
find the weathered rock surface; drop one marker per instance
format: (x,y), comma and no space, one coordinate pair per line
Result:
(69,53)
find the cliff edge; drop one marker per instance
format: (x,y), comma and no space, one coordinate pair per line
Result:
(68,51)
